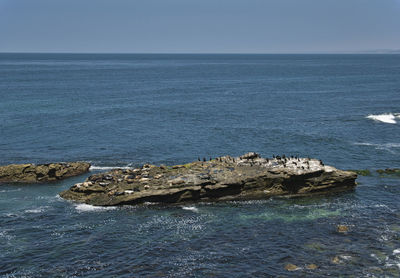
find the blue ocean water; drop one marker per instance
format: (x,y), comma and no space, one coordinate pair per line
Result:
(126,110)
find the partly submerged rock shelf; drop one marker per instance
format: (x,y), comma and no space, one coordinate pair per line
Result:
(225,178)
(389,172)
(31,173)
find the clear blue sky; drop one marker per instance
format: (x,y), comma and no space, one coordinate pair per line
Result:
(199,26)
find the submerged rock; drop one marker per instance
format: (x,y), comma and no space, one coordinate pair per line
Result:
(311,266)
(31,173)
(224,178)
(342,228)
(389,171)
(291,267)
(336,260)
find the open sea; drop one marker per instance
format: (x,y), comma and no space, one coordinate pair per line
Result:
(126,110)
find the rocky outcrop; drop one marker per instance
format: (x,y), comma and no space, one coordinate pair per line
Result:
(225,178)
(31,173)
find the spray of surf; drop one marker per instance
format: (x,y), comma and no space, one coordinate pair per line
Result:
(389,118)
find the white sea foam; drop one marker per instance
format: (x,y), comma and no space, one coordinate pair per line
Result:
(386,146)
(394,261)
(10,190)
(36,210)
(192,208)
(388,118)
(94,168)
(86,207)
(379,259)
(12,215)
(346,257)
(4,234)
(390,264)
(149,203)
(365,144)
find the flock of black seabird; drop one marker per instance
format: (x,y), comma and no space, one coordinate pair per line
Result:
(253,159)
(204,159)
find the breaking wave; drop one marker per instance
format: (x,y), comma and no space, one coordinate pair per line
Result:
(191,208)
(105,168)
(86,208)
(389,118)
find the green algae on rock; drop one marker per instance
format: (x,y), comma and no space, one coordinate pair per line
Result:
(225,178)
(362,172)
(31,173)
(389,171)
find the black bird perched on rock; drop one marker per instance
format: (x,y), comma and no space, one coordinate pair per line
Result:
(273,156)
(204,159)
(198,159)
(210,158)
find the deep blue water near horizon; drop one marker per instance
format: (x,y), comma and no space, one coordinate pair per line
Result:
(125,110)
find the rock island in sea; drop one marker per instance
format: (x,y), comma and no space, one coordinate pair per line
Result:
(32,173)
(225,178)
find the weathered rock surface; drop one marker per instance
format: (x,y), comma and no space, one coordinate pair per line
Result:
(31,173)
(224,178)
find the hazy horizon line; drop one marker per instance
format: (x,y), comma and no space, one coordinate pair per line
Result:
(210,53)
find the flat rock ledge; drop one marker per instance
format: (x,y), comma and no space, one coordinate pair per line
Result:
(224,178)
(31,173)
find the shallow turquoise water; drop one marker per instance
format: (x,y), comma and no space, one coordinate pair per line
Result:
(124,110)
